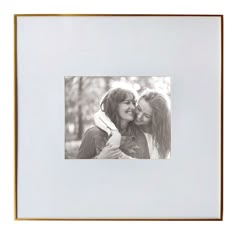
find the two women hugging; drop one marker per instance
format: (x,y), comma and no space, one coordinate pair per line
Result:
(129,128)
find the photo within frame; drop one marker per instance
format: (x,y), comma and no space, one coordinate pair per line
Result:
(117,117)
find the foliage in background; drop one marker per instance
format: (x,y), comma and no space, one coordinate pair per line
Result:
(83,95)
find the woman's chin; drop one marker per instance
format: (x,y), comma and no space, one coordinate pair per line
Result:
(136,122)
(131,118)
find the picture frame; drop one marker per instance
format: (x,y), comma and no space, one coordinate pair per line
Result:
(188,48)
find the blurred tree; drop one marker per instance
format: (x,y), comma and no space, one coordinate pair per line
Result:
(83,95)
(80,114)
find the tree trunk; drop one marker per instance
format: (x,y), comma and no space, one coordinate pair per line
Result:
(80,115)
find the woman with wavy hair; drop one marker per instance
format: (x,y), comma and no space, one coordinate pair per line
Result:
(118,105)
(153,117)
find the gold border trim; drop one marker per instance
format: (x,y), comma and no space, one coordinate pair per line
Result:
(222,120)
(15,117)
(121,219)
(128,15)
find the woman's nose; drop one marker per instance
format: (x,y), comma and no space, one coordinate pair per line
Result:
(139,115)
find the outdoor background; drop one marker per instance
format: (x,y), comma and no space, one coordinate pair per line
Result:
(82,98)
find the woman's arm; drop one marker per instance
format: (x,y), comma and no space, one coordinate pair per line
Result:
(87,147)
(109,152)
(103,122)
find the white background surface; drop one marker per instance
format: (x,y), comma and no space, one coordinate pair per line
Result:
(187,49)
(8,226)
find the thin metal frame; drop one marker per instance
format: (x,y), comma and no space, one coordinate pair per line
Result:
(123,219)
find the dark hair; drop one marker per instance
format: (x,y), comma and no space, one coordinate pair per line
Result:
(111,101)
(160,122)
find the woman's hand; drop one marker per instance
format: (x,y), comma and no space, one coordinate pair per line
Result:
(124,156)
(109,152)
(115,139)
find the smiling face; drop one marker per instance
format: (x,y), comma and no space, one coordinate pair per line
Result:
(126,109)
(143,113)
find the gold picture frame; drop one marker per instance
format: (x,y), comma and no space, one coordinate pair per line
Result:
(16,116)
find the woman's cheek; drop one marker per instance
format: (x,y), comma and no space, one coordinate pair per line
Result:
(146,120)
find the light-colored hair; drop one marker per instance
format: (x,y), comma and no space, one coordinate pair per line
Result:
(159,126)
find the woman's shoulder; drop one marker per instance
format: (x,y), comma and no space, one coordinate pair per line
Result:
(94,131)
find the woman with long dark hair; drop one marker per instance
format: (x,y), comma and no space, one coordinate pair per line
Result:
(119,106)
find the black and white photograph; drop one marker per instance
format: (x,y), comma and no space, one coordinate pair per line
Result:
(117,117)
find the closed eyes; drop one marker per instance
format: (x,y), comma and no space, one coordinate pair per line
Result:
(145,114)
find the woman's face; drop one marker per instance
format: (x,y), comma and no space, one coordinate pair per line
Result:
(143,113)
(126,109)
